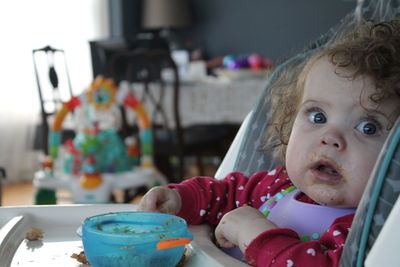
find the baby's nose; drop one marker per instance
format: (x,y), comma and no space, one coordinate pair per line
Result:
(334,139)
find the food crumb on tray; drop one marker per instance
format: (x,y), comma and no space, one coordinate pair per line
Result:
(80,257)
(34,234)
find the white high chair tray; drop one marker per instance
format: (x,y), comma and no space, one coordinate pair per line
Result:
(60,241)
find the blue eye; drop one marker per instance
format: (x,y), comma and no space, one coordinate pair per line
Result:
(367,127)
(317,117)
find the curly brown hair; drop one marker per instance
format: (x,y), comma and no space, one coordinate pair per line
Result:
(371,49)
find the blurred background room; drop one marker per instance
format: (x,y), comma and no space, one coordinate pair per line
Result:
(222,53)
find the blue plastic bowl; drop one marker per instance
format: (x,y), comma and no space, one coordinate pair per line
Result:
(134,239)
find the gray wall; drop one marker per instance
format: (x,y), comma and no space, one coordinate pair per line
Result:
(272,28)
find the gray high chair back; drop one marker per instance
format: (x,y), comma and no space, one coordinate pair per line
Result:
(248,156)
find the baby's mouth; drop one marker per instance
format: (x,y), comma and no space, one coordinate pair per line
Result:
(326,171)
(326,168)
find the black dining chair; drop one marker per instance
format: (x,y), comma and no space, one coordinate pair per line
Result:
(47,62)
(155,73)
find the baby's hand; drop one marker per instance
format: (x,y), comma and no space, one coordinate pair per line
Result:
(161,199)
(240,226)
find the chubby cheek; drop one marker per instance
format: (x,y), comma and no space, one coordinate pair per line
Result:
(290,162)
(296,161)
(357,186)
(360,172)
(355,197)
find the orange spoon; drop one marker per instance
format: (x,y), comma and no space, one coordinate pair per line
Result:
(172,242)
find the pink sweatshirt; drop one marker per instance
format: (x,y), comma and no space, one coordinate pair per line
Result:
(206,200)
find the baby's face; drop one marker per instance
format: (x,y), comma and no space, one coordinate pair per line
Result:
(336,139)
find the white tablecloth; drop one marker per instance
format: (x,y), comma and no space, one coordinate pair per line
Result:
(213,101)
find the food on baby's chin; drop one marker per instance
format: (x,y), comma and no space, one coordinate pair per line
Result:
(34,234)
(80,257)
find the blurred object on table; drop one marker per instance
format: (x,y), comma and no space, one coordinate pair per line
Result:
(239,67)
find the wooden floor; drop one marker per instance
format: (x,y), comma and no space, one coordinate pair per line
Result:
(22,194)
(17,194)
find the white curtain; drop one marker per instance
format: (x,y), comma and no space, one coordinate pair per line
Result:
(27,25)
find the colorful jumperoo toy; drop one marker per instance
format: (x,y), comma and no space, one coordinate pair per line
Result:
(97,161)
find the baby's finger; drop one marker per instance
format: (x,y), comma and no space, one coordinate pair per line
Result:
(222,241)
(165,208)
(148,203)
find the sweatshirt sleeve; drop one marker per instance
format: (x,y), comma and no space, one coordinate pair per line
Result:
(283,247)
(206,199)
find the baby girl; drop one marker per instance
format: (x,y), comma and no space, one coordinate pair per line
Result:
(331,124)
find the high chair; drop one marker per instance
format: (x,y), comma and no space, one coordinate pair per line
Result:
(372,240)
